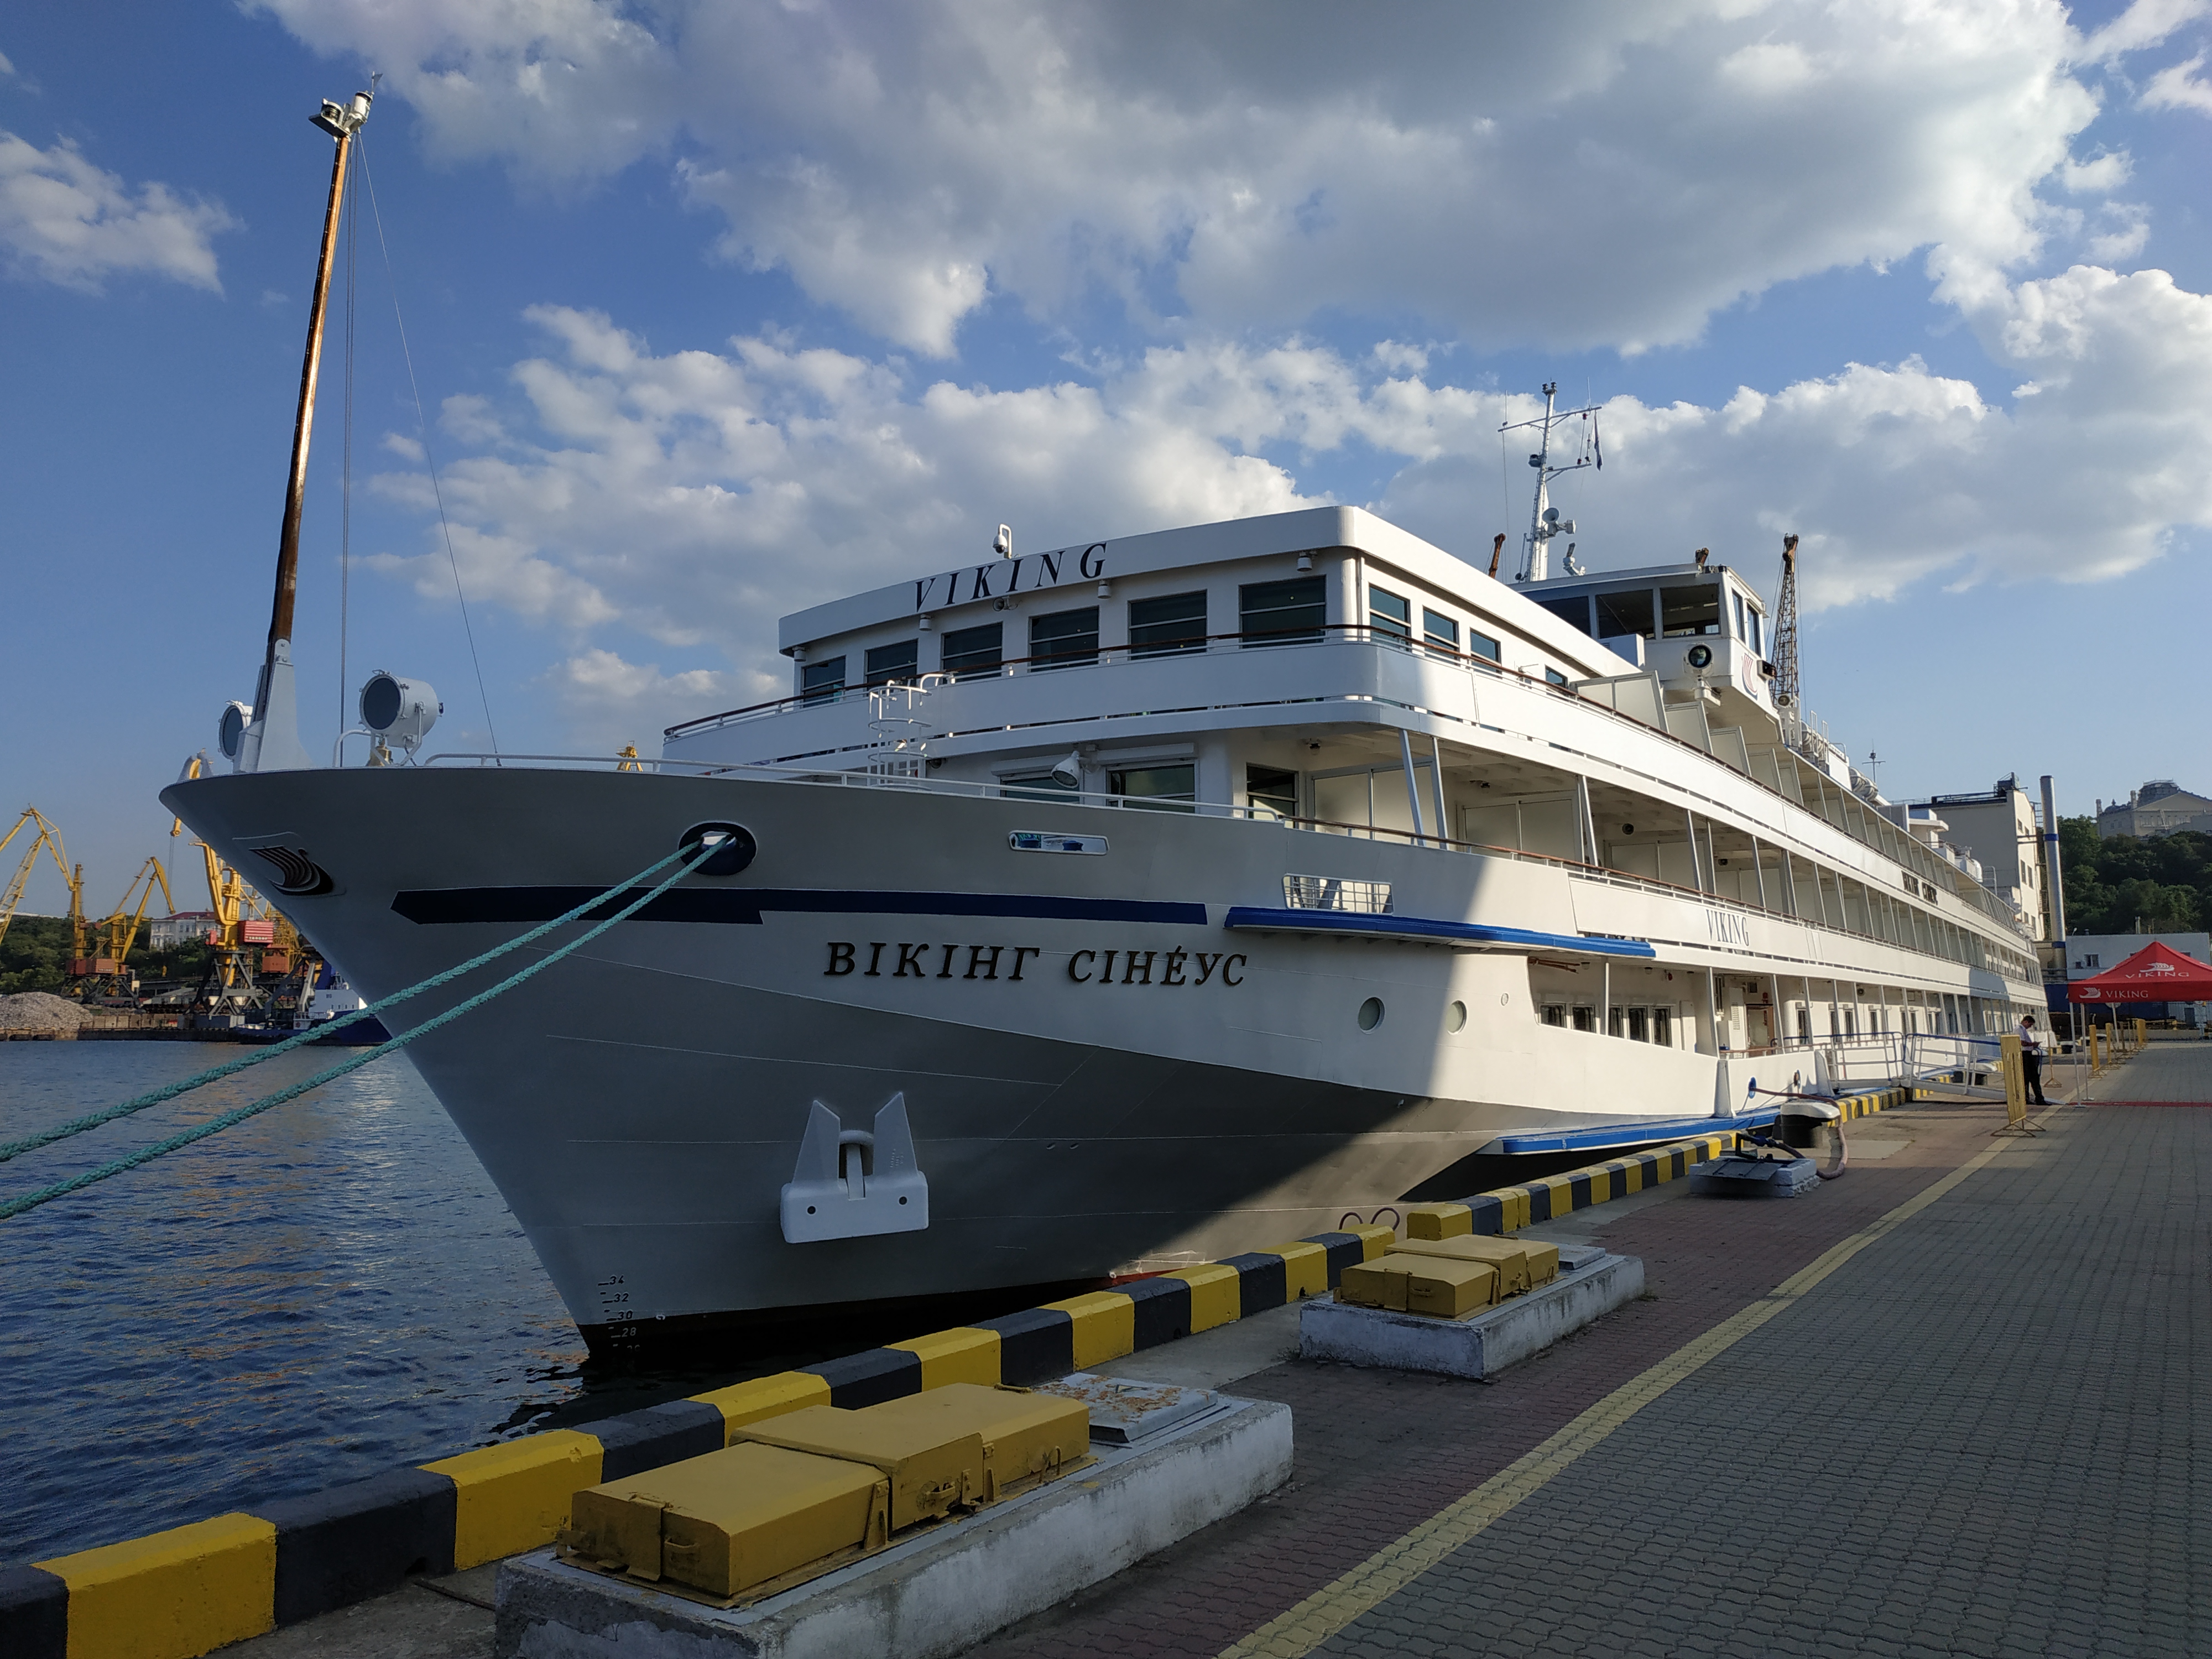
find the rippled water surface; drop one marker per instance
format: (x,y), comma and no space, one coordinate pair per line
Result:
(313,1296)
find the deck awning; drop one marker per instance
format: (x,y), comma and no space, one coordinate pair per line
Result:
(1423,930)
(2156,973)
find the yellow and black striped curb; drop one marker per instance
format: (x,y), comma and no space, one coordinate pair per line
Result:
(1510,1208)
(192,1588)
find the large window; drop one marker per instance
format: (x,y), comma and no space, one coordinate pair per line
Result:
(1271,787)
(974,653)
(892,665)
(1688,610)
(1758,632)
(1162,627)
(1282,613)
(1040,785)
(1619,615)
(1390,615)
(1440,631)
(1741,631)
(1168,788)
(1575,610)
(821,681)
(1064,639)
(1481,645)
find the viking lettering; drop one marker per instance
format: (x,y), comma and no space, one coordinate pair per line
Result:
(875,955)
(1107,977)
(976,958)
(1084,564)
(946,971)
(1129,974)
(1173,975)
(1021,951)
(1051,563)
(1080,956)
(840,959)
(1226,980)
(909,962)
(1206,962)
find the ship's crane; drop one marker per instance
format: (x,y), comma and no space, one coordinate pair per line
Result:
(48,840)
(1787,696)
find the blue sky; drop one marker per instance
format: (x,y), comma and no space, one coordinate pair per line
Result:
(718,311)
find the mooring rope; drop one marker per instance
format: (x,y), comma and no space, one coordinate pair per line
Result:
(15,1206)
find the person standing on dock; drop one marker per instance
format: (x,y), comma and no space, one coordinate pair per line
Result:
(2031,1059)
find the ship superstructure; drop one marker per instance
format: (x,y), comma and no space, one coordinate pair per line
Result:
(1136,899)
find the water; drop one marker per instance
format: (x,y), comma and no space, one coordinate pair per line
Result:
(322,1292)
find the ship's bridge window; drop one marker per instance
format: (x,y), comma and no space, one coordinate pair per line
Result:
(1064,639)
(1390,615)
(1162,627)
(1622,614)
(1440,631)
(974,653)
(1688,610)
(1758,631)
(892,665)
(1575,610)
(821,681)
(1271,787)
(1157,788)
(1742,632)
(1282,613)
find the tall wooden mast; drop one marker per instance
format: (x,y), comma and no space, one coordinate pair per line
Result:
(271,743)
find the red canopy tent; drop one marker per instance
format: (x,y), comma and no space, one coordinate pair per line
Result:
(2154,974)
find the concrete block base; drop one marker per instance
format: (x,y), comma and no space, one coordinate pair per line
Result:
(1591,1282)
(1754,1177)
(937,1593)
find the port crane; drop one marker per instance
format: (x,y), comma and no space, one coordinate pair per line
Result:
(244,921)
(47,840)
(107,971)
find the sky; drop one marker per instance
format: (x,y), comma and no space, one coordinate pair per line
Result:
(668,319)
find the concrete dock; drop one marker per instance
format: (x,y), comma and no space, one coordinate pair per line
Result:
(1942,1405)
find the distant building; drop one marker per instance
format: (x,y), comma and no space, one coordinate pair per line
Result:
(2159,808)
(1992,836)
(165,934)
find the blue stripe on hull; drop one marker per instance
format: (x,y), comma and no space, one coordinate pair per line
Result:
(742,906)
(1426,928)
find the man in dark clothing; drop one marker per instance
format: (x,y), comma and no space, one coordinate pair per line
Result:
(2031,1059)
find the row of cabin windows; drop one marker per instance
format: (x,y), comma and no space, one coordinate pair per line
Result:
(1636,1024)
(1169,787)
(1674,612)
(1289,612)
(1390,617)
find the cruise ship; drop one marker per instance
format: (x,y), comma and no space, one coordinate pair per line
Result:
(1133,902)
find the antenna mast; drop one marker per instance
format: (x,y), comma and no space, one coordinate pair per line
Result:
(272,742)
(1543,520)
(1786,695)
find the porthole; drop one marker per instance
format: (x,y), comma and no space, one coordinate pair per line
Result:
(1455,1017)
(1371,1013)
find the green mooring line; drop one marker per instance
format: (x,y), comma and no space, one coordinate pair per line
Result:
(171,1090)
(15,1206)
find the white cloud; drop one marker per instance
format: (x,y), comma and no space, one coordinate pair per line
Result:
(1567,175)
(63,220)
(694,496)
(609,703)
(2145,23)
(2176,87)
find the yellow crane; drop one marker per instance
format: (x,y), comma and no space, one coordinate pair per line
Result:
(243,920)
(107,972)
(48,840)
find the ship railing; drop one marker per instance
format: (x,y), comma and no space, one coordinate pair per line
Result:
(1046,799)
(1804,733)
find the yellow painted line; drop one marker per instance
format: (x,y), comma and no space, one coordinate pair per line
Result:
(1298,1631)
(173,1595)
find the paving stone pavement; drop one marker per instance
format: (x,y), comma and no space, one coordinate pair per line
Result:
(1975,1437)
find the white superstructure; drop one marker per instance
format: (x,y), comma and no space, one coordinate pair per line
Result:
(1183,893)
